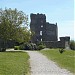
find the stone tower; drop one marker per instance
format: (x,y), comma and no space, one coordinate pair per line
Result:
(43,31)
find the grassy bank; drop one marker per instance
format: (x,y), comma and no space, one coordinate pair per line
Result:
(14,63)
(65,60)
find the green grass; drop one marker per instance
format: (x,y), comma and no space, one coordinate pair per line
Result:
(65,60)
(14,63)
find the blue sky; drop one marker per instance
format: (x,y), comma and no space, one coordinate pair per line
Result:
(60,11)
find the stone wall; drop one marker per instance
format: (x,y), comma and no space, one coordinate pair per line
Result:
(58,44)
(7,44)
(46,32)
(54,44)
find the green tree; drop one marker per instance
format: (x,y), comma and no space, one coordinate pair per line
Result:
(23,34)
(14,25)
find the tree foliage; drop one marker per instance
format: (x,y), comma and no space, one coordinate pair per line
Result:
(14,25)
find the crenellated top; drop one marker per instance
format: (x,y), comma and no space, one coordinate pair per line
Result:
(37,15)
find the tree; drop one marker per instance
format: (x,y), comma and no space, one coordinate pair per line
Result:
(23,34)
(13,25)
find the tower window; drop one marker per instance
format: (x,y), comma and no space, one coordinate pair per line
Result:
(40,32)
(41,26)
(41,39)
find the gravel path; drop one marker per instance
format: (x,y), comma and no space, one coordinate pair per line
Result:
(40,65)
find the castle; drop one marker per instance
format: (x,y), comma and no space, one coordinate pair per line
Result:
(46,32)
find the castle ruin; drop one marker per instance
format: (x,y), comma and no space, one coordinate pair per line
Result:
(46,32)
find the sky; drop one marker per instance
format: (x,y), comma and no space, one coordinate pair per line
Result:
(60,11)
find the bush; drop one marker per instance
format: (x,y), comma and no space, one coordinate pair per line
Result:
(25,46)
(31,46)
(16,47)
(41,47)
(21,47)
(40,43)
(28,46)
(34,46)
(2,49)
(72,45)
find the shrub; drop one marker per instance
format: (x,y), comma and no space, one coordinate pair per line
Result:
(35,47)
(40,43)
(21,47)
(25,46)
(32,46)
(72,45)
(16,47)
(41,47)
(28,46)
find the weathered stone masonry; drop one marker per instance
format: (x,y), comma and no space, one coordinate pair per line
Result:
(46,32)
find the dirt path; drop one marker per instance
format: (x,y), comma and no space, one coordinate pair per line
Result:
(40,65)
